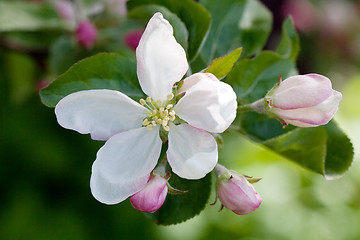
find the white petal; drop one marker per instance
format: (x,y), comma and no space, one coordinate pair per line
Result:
(123,164)
(192,152)
(102,113)
(208,103)
(161,61)
(313,116)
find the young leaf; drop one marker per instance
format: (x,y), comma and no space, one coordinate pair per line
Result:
(195,17)
(180,207)
(289,45)
(102,71)
(221,66)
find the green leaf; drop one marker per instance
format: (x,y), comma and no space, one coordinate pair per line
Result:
(27,16)
(289,45)
(195,17)
(325,150)
(221,66)
(102,71)
(339,152)
(147,11)
(180,207)
(305,146)
(235,23)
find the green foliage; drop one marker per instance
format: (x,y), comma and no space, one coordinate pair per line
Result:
(221,66)
(325,149)
(195,17)
(102,71)
(26,16)
(180,207)
(235,23)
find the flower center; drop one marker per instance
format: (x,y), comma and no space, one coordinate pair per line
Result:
(159,112)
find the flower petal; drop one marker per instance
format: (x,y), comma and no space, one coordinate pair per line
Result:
(123,164)
(102,113)
(208,103)
(192,152)
(301,91)
(161,61)
(312,116)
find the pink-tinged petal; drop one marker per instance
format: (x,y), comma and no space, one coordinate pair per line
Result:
(152,196)
(238,195)
(312,116)
(123,165)
(192,152)
(102,113)
(208,103)
(301,91)
(161,61)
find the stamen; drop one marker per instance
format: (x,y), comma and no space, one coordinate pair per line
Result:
(142,102)
(172,118)
(172,113)
(166,112)
(170,96)
(154,111)
(169,106)
(166,128)
(159,101)
(145,122)
(148,99)
(149,127)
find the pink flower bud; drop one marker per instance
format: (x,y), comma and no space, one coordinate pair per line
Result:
(132,38)
(86,34)
(235,192)
(303,100)
(152,196)
(66,10)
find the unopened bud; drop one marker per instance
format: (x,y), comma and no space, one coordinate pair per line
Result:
(86,34)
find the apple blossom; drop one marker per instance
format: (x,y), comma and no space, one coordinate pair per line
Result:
(301,100)
(182,114)
(235,191)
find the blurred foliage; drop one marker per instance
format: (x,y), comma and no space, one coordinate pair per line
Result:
(44,169)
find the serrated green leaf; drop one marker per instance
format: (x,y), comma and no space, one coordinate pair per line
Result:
(180,207)
(195,17)
(102,71)
(305,146)
(235,23)
(147,11)
(221,66)
(339,152)
(26,16)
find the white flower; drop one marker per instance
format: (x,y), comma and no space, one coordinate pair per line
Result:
(132,131)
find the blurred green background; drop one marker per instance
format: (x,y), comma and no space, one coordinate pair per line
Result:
(45,169)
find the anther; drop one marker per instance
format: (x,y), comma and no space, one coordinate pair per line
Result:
(166,128)
(142,102)
(149,127)
(172,118)
(170,96)
(169,106)
(159,101)
(172,113)
(154,111)
(166,112)
(153,123)
(148,99)
(145,122)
